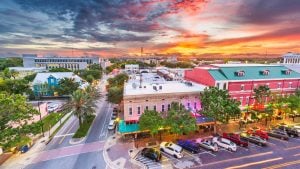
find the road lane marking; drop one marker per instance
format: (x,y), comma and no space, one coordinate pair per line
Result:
(67,133)
(255,163)
(296,155)
(64,135)
(240,158)
(291,148)
(277,139)
(103,126)
(283,165)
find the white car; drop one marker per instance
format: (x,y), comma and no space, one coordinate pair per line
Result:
(172,149)
(224,143)
(52,108)
(206,143)
(111,125)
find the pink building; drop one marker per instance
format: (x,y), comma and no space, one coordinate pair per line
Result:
(241,79)
(153,93)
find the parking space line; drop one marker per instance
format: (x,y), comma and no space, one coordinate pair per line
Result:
(290,148)
(277,139)
(255,163)
(296,155)
(207,152)
(169,156)
(254,145)
(271,143)
(225,150)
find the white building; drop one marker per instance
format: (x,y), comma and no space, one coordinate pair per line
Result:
(132,68)
(72,63)
(25,71)
(291,58)
(154,93)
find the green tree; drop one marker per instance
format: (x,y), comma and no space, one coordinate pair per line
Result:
(293,103)
(118,80)
(31,77)
(15,113)
(66,86)
(93,93)
(95,67)
(115,95)
(152,121)
(60,69)
(10,62)
(179,120)
(18,86)
(81,105)
(218,105)
(261,93)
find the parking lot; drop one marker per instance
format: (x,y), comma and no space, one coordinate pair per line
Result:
(276,151)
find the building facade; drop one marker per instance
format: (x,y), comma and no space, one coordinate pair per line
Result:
(132,68)
(44,83)
(72,63)
(25,71)
(291,58)
(153,93)
(241,79)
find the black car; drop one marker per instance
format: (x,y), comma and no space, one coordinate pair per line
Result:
(253,139)
(292,132)
(189,146)
(152,154)
(278,134)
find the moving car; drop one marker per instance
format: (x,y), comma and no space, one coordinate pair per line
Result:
(189,146)
(278,134)
(236,139)
(258,132)
(171,149)
(206,143)
(254,139)
(111,125)
(224,143)
(52,107)
(151,153)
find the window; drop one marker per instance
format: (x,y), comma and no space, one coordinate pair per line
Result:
(267,84)
(247,100)
(169,107)
(218,85)
(154,108)
(290,85)
(162,108)
(146,108)
(265,72)
(139,110)
(189,105)
(195,105)
(279,85)
(240,73)
(224,86)
(130,111)
(241,100)
(242,87)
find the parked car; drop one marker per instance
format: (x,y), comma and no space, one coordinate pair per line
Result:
(24,148)
(254,139)
(189,146)
(52,107)
(206,143)
(258,132)
(115,109)
(111,125)
(292,132)
(171,149)
(278,134)
(151,153)
(236,139)
(224,143)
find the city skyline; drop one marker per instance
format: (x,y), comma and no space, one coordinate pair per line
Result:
(166,27)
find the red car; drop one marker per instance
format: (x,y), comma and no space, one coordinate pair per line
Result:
(258,132)
(236,139)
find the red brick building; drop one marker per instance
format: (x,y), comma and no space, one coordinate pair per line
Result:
(241,79)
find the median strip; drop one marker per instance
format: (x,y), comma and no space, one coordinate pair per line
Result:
(283,165)
(240,158)
(255,163)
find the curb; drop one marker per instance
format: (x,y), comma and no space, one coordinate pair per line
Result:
(73,141)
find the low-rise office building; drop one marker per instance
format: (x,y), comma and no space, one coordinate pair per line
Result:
(25,71)
(72,63)
(241,79)
(154,93)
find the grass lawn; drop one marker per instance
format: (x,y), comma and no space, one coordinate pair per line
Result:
(84,128)
(50,120)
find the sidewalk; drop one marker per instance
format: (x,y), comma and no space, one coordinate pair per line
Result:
(117,154)
(20,161)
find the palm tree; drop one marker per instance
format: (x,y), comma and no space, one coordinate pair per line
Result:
(81,105)
(93,93)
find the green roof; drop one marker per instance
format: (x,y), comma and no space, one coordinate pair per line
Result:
(217,74)
(252,72)
(128,128)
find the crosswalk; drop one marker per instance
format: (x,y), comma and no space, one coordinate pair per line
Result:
(150,164)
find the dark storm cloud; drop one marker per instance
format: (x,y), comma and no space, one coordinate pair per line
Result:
(268,12)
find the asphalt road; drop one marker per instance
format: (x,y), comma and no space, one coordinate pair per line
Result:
(82,159)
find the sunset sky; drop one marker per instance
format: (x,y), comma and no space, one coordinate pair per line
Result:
(168,27)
